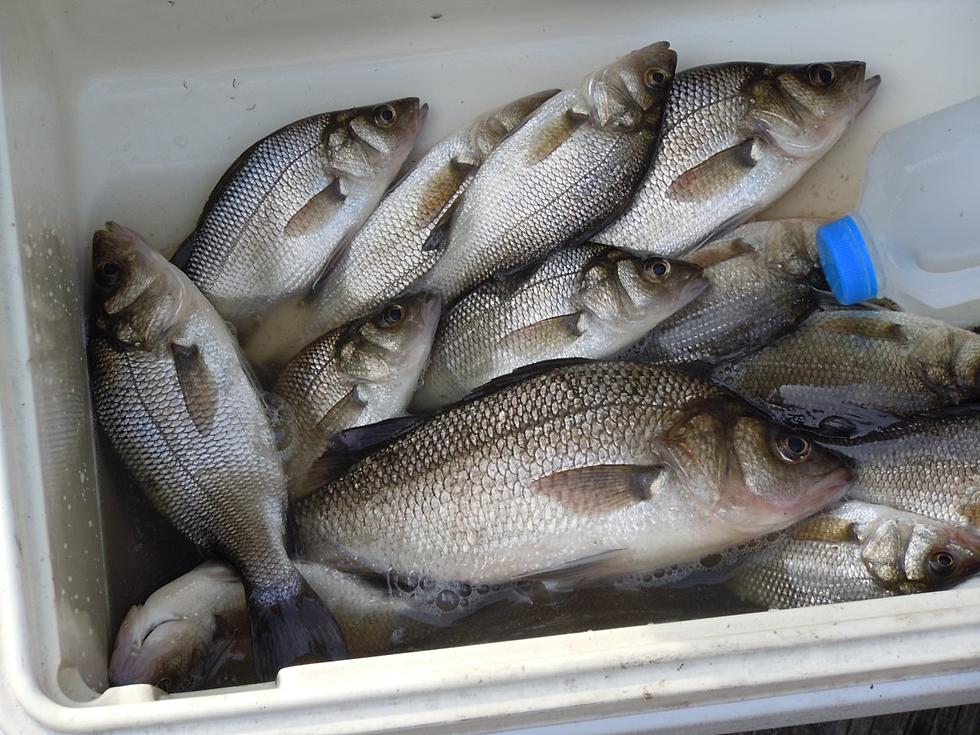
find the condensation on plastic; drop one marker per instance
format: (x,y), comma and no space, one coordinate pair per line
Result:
(131,109)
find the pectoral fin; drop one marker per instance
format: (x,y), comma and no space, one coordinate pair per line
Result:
(544,336)
(550,136)
(863,326)
(197,385)
(824,527)
(721,171)
(600,489)
(714,254)
(318,210)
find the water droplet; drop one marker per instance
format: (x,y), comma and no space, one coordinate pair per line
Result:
(464,589)
(447,600)
(181,141)
(464,602)
(397,635)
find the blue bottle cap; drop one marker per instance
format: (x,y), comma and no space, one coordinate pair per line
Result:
(846,261)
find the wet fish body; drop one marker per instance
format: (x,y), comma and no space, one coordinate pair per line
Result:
(585,301)
(177,406)
(591,471)
(760,286)
(736,136)
(928,465)
(562,175)
(282,210)
(859,551)
(389,252)
(849,372)
(355,375)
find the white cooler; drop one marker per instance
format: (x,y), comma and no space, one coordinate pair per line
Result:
(131,110)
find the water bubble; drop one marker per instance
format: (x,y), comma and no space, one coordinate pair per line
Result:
(464,589)
(464,602)
(447,600)
(397,636)
(482,589)
(495,587)
(428,584)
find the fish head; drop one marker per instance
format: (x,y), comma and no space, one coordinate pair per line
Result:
(749,473)
(803,109)
(620,288)
(393,343)
(911,554)
(490,129)
(163,653)
(139,296)
(790,248)
(373,142)
(631,93)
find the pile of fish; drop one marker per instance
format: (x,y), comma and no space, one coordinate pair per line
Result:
(543,381)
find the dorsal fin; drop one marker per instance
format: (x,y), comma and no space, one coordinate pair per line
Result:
(519,376)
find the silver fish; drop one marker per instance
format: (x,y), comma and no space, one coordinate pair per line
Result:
(858,551)
(355,375)
(584,301)
(735,138)
(285,207)
(928,465)
(177,406)
(589,471)
(562,176)
(387,253)
(848,372)
(760,286)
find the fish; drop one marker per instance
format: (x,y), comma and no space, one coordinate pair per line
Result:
(289,204)
(182,638)
(928,465)
(858,551)
(736,136)
(585,301)
(762,280)
(178,407)
(564,471)
(358,374)
(562,176)
(849,372)
(389,252)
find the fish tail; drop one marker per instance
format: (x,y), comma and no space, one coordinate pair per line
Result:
(293,629)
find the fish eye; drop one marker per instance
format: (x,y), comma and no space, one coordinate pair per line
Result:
(385,115)
(821,75)
(941,563)
(657,268)
(655,77)
(392,315)
(792,448)
(108,275)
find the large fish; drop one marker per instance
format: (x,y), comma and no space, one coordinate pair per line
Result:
(761,281)
(186,635)
(858,551)
(736,137)
(562,176)
(388,252)
(290,202)
(355,375)
(177,406)
(586,471)
(929,466)
(848,372)
(586,301)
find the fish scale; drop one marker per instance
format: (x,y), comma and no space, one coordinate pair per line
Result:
(553,470)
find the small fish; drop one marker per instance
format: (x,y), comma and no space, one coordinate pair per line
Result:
(175,402)
(562,176)
(587,471)
(928,465)
(389,252)
(355,375)
(761,281)
(291,201)
(849,372)
(736,137)
(858,551)
(585,301)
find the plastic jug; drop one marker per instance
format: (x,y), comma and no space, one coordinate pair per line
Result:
(915,235)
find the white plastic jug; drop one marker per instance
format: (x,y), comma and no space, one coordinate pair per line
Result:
(915,235)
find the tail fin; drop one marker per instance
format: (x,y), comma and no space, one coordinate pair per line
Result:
(298,629)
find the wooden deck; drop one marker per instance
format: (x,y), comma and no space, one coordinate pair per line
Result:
(963,720)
